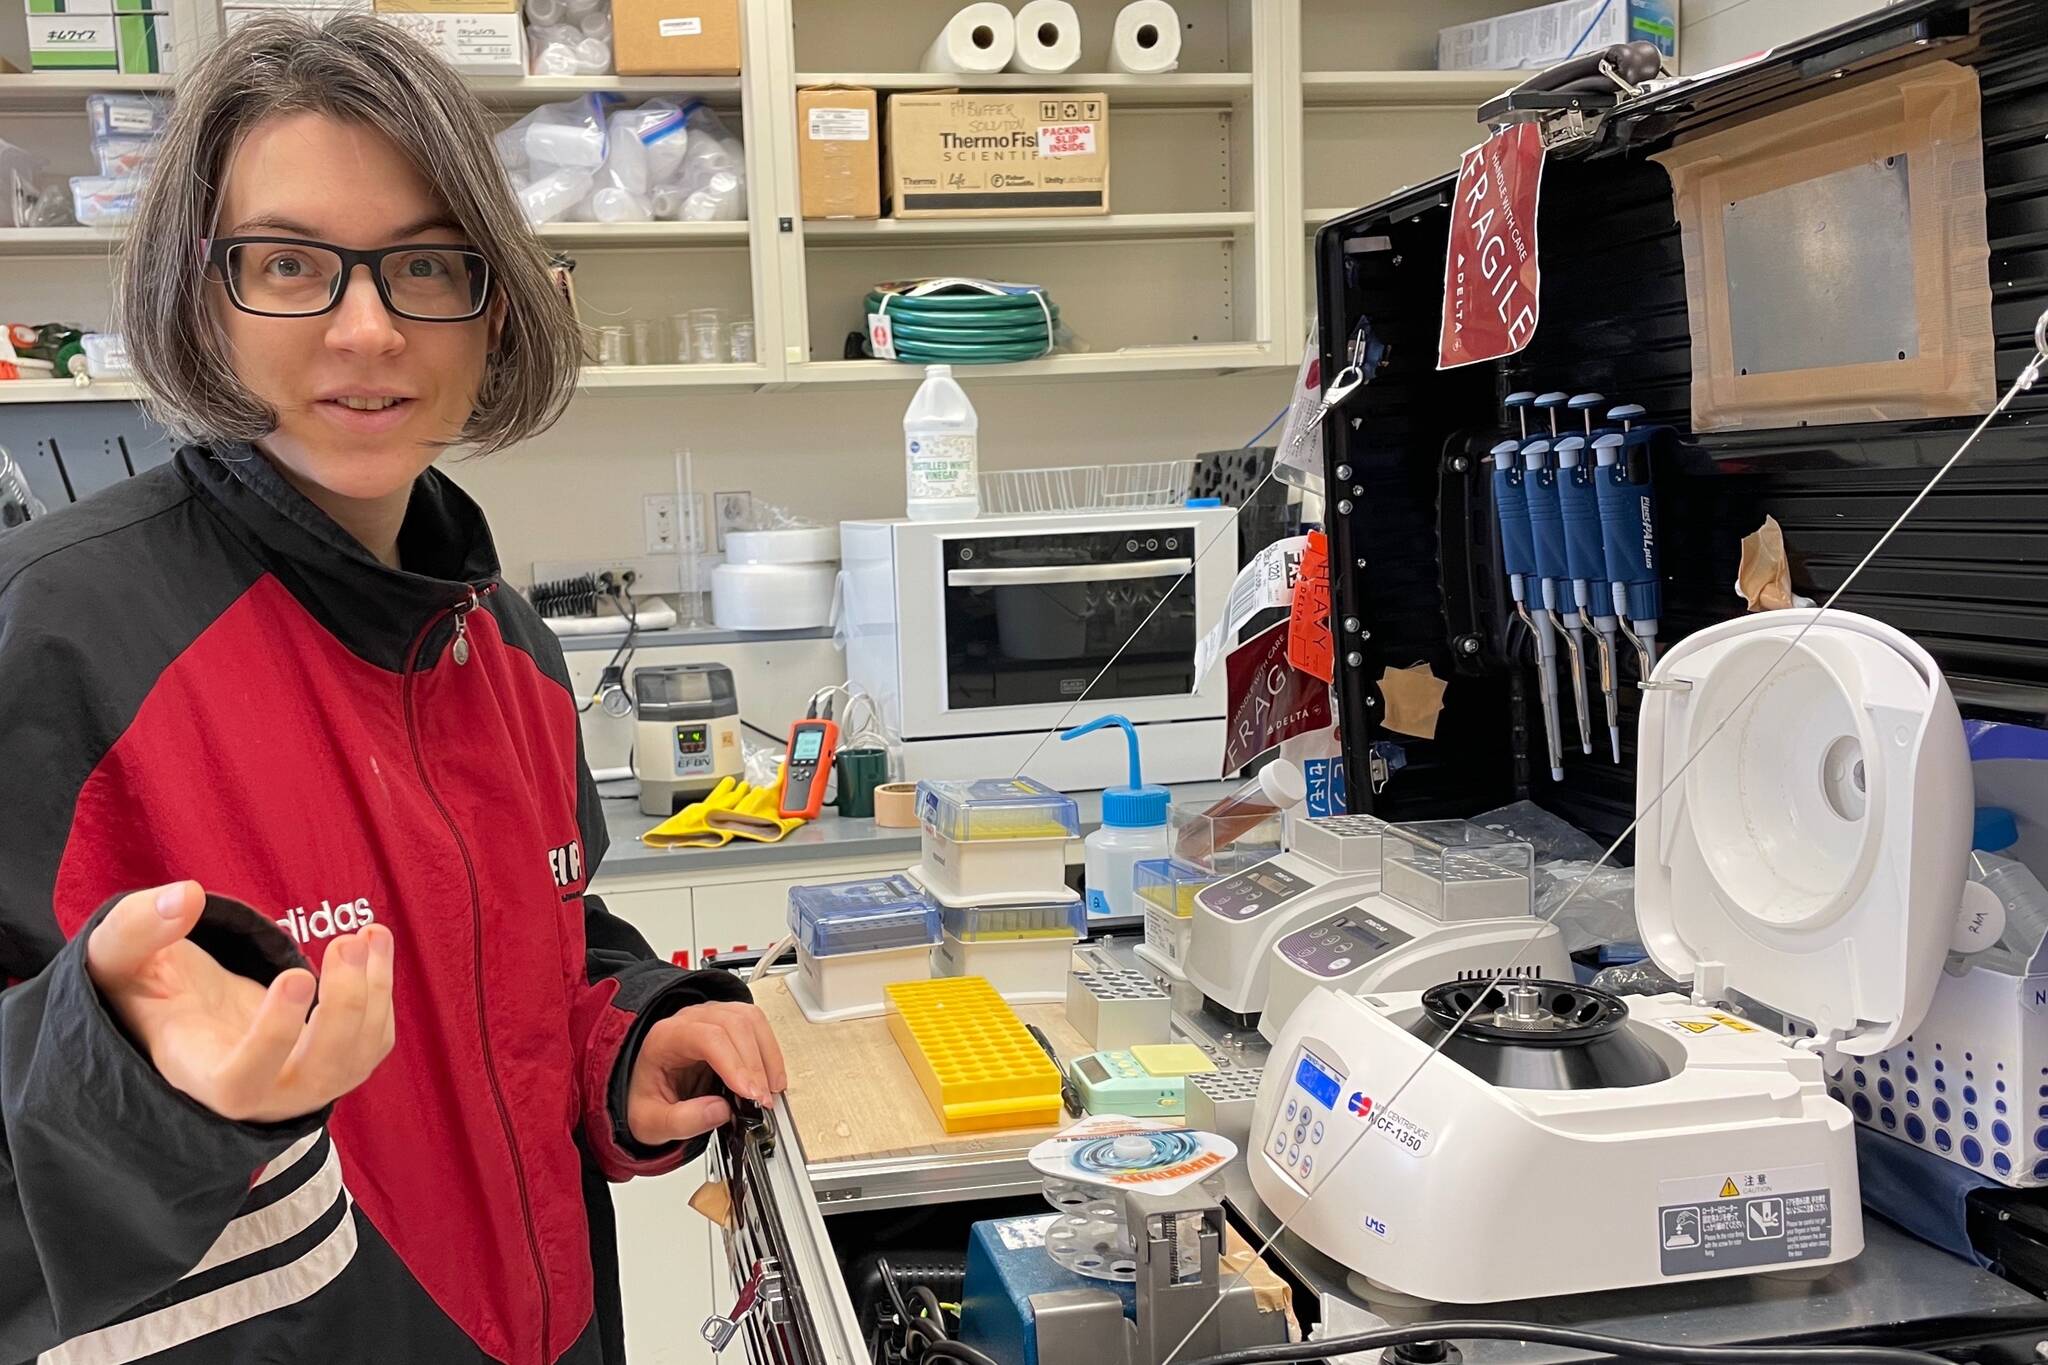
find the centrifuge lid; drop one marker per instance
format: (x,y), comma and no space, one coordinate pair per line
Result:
(1815,849)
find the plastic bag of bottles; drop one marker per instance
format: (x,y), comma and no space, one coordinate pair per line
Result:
(569,37)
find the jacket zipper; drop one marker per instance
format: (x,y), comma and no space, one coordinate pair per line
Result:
(460,649)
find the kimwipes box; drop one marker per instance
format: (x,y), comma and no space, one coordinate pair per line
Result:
(984,155)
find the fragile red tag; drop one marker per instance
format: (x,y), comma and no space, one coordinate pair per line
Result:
(1490,271)
(1309,647)
(1270,699)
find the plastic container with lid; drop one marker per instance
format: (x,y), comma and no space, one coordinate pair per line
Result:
(1024,971)
(995,841)
(1133,829)
(1454,870)
(1009,923)
(856,938)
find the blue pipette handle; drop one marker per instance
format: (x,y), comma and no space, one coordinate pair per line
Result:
(1579,507)
(1511,506)
(1546,521)
(1628,519)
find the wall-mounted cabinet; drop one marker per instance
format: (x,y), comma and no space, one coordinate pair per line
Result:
(1282,114)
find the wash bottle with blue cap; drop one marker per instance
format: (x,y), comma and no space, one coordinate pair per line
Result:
(1133,829)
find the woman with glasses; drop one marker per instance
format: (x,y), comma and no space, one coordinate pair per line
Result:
(313,1046)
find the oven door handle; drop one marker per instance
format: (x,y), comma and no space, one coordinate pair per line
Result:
(1067,573)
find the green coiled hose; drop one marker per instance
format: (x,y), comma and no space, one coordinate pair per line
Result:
(962,325)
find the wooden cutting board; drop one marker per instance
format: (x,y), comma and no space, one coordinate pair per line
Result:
(854,1098)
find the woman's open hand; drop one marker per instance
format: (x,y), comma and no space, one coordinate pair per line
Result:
(246,1052)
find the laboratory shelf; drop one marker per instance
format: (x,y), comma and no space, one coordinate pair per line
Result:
(1406,87)
(1130,362)
(65,91)
(622,378)
(1215,87)
(60,241)
(644,234)
(1315,218)
(68,391)
(1101,227)
(524,92)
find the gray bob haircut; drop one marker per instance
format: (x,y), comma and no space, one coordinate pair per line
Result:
(369,74)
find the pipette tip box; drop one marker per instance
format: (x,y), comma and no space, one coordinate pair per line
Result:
(856,938)
(995,840)
(971,1055)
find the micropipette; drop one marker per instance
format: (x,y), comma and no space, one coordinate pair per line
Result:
(1546,534)
(1588,557)
(1628,529)
(1545,514)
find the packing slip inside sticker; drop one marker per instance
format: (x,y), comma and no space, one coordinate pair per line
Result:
(1066,139)
(1741,1219)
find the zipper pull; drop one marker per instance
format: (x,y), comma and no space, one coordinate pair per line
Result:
(461,646)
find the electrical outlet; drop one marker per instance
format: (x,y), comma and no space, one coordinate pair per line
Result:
(652,574)
(660,512)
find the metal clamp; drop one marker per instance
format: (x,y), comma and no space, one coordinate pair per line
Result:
(764,1285)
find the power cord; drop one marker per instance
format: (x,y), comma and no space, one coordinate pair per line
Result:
(1534,1334)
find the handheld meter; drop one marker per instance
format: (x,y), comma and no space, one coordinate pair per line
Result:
(807,768)
(1146,1081)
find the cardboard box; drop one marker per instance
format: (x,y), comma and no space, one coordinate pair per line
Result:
(142,44)
(476,44)
(839,152)
(1548,34)
(72,42)
(234,16)
(447,6)
(676,37)
(987,155)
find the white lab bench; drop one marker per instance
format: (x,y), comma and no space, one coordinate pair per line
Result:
(694,905)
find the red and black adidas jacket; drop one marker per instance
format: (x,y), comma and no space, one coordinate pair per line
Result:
(202,676)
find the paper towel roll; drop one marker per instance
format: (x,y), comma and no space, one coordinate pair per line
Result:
(980,38)
(1048,38)
(1147,39)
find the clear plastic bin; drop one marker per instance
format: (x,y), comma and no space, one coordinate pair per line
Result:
(997,808)
(1170,885)
(862,916)
(999,923)
(1454,870)
(106,355)
(98,201)
(127,115)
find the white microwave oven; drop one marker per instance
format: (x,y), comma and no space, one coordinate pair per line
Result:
(976,638)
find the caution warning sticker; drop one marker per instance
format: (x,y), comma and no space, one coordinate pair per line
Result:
(1711,1022)
(1741,1219)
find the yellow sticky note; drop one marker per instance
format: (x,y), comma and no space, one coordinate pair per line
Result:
(1172,1059)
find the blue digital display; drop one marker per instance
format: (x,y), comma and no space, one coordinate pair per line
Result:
(1321,1083)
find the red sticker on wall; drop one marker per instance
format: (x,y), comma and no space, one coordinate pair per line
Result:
(1309,646)
(1490,270)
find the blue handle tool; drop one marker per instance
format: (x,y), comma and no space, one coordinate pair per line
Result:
(1625,482)
(1553,568)
(1580,507)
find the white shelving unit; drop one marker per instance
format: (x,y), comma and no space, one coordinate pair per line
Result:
(1283,114)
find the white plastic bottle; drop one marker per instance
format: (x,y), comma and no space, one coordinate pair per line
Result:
(1134,828)
(2014,883)
(939,430)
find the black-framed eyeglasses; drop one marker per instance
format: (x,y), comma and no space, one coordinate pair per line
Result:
(292,277)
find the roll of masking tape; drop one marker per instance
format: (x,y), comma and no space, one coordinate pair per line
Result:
(896,805)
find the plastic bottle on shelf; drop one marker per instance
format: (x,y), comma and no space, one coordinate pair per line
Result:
(1133,829)
(1992,864)
(939,445)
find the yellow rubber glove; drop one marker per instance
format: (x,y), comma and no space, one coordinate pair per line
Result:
(691,826)
(754,815)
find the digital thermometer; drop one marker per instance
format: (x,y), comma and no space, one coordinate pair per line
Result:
(807,769)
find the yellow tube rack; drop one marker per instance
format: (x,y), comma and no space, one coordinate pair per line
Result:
(971,1055)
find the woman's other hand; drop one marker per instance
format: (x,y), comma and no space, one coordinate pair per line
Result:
(248,1053)
(670,1096)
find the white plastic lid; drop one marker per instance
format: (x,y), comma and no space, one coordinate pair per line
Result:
(1812,856)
